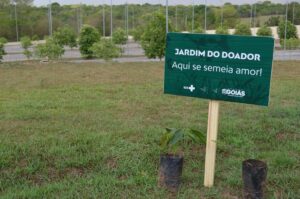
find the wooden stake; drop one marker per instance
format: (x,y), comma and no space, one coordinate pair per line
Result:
(211,143)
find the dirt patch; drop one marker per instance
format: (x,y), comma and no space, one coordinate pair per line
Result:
(112,163)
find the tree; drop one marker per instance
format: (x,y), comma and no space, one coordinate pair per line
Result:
(222,31)
(50,50)
(65,37)
(292,43)
(119,36)
(242,29)
(26,43)
(105,49)
(230,15)
(88,36)
(264,31)
(154,37)
(2,52)
(291,31)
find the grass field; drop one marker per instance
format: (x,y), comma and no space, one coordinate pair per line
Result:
(92,131)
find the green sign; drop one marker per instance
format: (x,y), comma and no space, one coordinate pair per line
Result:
(219,67)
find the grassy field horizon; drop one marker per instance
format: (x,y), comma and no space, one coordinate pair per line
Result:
(91,131)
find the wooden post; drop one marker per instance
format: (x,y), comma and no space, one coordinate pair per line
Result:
(211,143)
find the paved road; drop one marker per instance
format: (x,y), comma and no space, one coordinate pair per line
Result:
(132,50)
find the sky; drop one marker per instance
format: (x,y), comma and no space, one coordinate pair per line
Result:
(171,2)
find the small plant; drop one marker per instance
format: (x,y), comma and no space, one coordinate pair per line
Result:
(65,37)
(264,31)
(291,43)
(26,43)
(172,143)
(174,140)
(3,40)
(119,36)
(198,30)
(2,52)
(105,49)
(291,30)
(35,38)
(242,29)
(222,31)
(88,36)
(50,50)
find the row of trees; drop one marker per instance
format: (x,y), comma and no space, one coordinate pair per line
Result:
(151,35)
(33,21)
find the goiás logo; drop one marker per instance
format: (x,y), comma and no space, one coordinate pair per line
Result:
(233,92)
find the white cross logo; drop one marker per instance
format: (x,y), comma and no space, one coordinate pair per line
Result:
(191,88)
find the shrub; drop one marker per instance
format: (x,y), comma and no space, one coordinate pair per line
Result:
(119,36)
(50,50)
(105,49)
(3,40)
(291,31)
(137,33)
(154,37)
(222,31)
(26,43)
(291,43)
(264,31)
(35,38)
(88,36)
(198,30)
(65,37)
(242,29)
(2,52)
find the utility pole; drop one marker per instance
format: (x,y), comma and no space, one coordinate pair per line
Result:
(127,19)
(205,25)
(111,18)
(176,13)
(251,16)
(294,13)
(50,17)
(222,6)
(193,16)
(254,16)
(103,19)
(167,16)
(16,19)
(285,28)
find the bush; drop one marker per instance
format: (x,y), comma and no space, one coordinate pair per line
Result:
(35,38)
(264,31)
(222,31)
(2,52)
(291,31)
(88,36)
(154,37)
(291,43)
(198,30)
(119,36)
(3,40)
(65,37)
(242,29)
(26,43)
(50,50)
(137,33)
(105,49)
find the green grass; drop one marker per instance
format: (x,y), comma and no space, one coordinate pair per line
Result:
(91,131)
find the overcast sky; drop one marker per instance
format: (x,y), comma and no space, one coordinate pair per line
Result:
(171,2)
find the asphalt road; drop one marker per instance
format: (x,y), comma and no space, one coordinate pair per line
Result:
(131,52)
